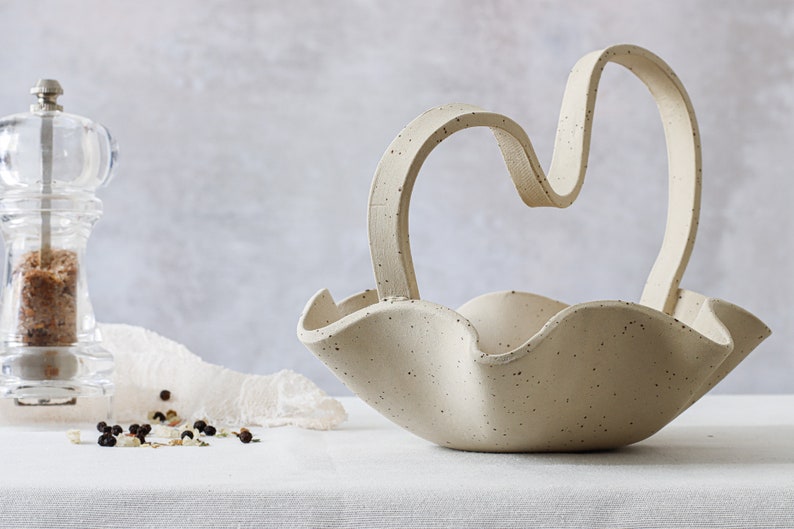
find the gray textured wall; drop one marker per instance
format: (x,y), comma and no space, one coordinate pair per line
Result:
(250,130)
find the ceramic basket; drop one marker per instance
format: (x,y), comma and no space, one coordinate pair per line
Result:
(591,376)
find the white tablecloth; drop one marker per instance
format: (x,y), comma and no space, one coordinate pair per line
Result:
(726,462)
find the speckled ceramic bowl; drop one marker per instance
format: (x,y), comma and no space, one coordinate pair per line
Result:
(512,371)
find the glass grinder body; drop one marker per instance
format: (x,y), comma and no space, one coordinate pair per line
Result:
(51,164)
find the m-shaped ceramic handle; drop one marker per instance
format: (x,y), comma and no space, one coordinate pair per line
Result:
(396,173)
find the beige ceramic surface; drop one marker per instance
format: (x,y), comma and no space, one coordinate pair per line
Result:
(512,371)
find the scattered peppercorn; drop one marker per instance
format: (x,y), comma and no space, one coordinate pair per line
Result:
(106,440)
(140,431)
(165,395)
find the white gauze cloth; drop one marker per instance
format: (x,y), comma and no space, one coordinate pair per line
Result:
(147,363)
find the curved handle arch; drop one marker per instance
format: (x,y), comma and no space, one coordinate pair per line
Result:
(396,173)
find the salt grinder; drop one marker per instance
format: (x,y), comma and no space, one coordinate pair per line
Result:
(51,164)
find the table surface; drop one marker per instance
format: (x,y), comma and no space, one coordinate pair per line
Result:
(726,462)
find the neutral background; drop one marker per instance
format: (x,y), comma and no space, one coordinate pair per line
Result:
(250,130)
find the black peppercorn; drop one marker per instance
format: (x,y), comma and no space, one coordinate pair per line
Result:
(100,426)
(134,428)
(165,395)
(200,425)
(210,430)
(245,436)
(106,440)
(145,428)
(158,416)
(108,430)
(141,436)
(117,430)
(187,433)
